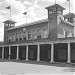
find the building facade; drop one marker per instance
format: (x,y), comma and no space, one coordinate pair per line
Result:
(50,40)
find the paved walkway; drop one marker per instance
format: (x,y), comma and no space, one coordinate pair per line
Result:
(23,67)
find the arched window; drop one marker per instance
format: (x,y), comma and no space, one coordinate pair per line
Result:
(13,37)
(24,35)
(72,33)
(20,36)
(65,32)
(16,36)
(29,35)
(39,33)
(34,34)
(9,38)
(45,33)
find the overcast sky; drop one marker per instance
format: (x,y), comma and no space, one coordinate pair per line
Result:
(36,10)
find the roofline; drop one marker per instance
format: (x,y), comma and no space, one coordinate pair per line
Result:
(9,20)
(29,24)
(67,23)
(56,6)
(69,14)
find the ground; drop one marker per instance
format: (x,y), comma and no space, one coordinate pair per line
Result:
(22,68)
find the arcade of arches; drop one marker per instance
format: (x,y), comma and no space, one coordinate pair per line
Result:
(61,52)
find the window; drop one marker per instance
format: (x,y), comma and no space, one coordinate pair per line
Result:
(68,19)
(20,36)
(6,24)
(12,24)
(34,35)
(49,12)
(74,19)
(24,29)
(13,37)
(9,38)
(45,33)
(16,36)
(59,12)
(65,32)
(9,24)
(64,18)
(72,33)
(29,35)
(39,33)
(24,35)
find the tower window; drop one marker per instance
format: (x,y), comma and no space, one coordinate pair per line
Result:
(6,24)
(9,24)
(12,24)
(60,12)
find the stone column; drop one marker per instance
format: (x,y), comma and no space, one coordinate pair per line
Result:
(38,53)
(52,53)
(2,52)
(9,51)
(27,52)
(69,54)
(17,53)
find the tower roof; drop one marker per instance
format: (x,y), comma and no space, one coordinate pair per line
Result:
(9,21)
(55,6)
(69,15)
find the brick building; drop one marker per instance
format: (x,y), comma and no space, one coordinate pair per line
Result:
(50,39)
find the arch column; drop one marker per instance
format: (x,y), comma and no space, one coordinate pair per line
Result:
(17,53)
(52,53)
(26,52)
(69,54)
(38,53)
(2,52)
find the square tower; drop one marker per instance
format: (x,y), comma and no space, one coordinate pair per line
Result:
(8,24)
(55,14)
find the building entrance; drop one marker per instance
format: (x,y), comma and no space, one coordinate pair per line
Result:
(22,52)
(60,52)
(13,52)
(32,52)
(45,52)
(6,52)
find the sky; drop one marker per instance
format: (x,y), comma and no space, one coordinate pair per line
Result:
(35,10)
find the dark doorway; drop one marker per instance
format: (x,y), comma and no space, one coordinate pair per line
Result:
(13,52)
(6,52)
(60,52)
(73,52)
(32,52)
(22,52)
(0,52)
(45,52)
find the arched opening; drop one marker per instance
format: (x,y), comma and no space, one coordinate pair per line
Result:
(45,52)
(60,52)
